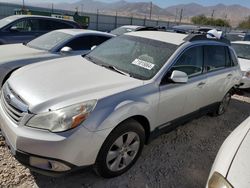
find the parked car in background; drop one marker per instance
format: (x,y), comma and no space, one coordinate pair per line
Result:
(130,28)
(100,110)
(54,44)
(231,166)
(246,37)
(242,49)
(24,28)
(235,36)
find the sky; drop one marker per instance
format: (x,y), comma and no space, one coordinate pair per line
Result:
(161,3)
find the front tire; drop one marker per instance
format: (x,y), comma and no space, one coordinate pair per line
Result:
(121,149)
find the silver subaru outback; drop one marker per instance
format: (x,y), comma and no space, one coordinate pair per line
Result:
(99,110)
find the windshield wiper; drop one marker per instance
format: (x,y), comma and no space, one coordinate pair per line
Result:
(111,67)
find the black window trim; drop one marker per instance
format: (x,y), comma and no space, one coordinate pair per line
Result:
(204,72)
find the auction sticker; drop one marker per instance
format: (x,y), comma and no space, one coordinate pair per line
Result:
(143,64)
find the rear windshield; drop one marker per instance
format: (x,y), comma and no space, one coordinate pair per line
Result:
(139,57)
(49,41)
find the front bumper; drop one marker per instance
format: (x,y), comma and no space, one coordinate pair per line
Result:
(75,148)
(24,158)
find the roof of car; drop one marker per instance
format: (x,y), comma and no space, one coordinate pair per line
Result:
(36,16)
(82,31)
(131,26)
(169,37)
(241,42)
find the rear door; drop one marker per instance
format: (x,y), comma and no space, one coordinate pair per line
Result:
(217,63)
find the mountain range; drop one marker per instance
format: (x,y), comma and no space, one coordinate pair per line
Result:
(233,13)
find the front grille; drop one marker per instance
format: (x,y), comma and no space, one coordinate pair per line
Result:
(9,102)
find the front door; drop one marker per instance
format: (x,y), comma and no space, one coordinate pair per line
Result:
(176,99)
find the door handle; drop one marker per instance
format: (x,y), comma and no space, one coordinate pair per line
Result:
(229,76)
(201,84)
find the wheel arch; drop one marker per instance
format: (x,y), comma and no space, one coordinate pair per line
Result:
(7,75)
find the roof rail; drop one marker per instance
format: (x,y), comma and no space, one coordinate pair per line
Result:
(199,37)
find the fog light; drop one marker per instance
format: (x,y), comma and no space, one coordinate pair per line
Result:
(47,164)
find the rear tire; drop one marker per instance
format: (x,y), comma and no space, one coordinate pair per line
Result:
(223,106)
(121,149)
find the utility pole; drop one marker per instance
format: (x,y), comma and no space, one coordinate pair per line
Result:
(52,8)
(116,19)
(181,15)
(82,9)
(212,15)
(23,5)
(176,13)
(97,19)
(150,13)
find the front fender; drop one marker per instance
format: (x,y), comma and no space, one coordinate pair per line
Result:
(111,117)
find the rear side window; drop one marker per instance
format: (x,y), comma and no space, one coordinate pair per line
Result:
(97,40)
(60,25)
(228,58)
(190,62)
(233,58)
(86,42)
(214,57)
(49,25)
(80,43)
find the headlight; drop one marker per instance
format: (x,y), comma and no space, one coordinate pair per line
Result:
(218,181)
(63,119)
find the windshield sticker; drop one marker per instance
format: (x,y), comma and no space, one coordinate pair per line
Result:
(143,64)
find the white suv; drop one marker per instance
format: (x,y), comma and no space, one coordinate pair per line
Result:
(100,110)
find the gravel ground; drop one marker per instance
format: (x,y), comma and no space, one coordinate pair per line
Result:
(181,158)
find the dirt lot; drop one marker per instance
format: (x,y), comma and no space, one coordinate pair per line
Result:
(179,159)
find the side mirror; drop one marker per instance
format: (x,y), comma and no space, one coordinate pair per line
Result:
(66,50)
(93,47)
(179,77)
(14,29)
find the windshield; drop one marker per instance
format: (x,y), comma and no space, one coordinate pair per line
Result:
(122,30)
(242,50)
(49,41)
(6,21)
(138,57)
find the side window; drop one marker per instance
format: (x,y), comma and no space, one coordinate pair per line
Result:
(34,23)
(22,26)
(233,58)
(97,40)
(45,25)
(49,25)
(190,62)
(214,57)
(80,43)
(228,58)
(59,25)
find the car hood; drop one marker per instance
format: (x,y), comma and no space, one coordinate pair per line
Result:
(15,52)
(239,173)
(62,82)
(244,64)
